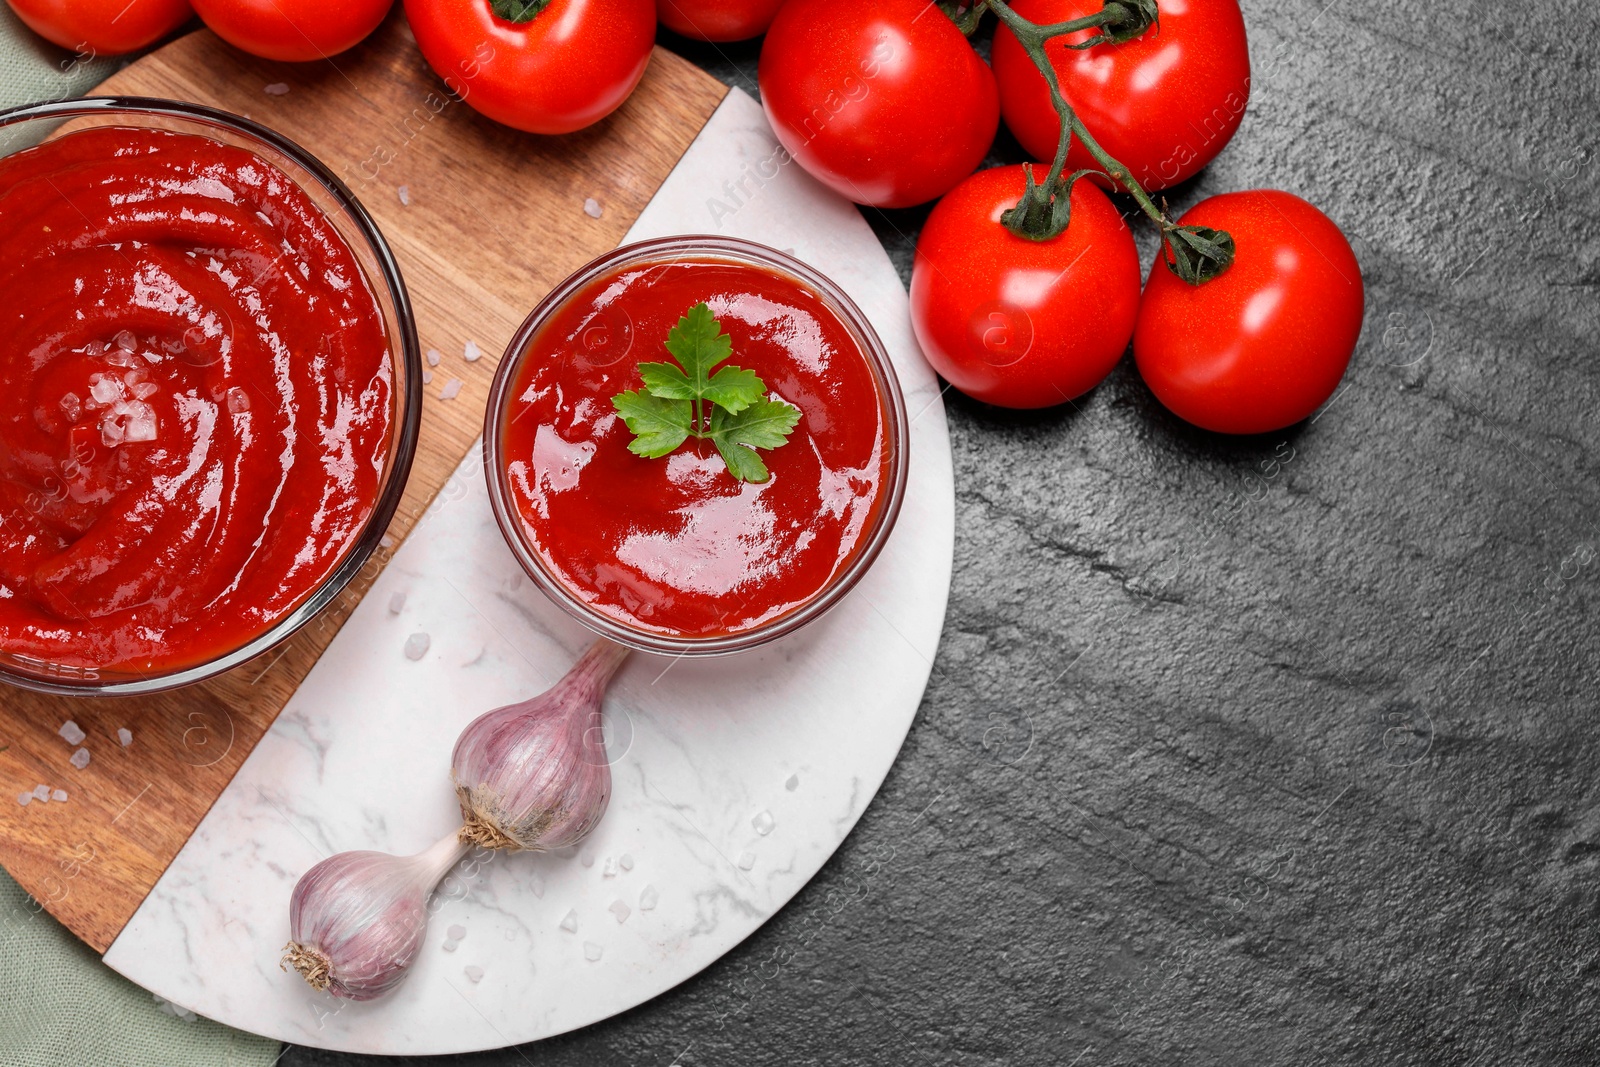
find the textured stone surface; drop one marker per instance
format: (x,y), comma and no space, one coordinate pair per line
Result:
(1231,758)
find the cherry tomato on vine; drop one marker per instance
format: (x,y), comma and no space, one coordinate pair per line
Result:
(1017,322)
(92,28)
(566,67)
(297,31)
(718,20)
(1264,344)
(884,102)
(1162,105)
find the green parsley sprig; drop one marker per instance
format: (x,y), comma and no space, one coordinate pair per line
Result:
(729,408)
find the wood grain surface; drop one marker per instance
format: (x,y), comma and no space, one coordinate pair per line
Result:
(495,218)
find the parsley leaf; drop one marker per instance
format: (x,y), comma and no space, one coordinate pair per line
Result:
(685,399)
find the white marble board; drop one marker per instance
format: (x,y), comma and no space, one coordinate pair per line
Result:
(735,779)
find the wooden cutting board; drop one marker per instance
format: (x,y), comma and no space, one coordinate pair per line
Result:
(495,219)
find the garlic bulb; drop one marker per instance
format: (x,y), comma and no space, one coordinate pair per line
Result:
(356,920)
(534,775)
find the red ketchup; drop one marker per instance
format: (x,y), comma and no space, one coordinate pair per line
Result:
(676,545)
(195,399)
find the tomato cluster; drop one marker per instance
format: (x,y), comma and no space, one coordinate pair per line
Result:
(890,106)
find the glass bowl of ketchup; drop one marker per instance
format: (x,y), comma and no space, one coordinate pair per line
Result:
(209,393)
(674,554)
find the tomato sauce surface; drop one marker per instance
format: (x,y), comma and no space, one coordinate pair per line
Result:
(195,399)
(676,545)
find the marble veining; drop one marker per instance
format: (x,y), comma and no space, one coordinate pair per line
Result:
(793,739)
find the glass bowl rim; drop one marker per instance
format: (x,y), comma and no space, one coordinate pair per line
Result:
(890,397)
(410,422)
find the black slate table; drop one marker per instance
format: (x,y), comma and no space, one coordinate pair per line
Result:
(1262,751)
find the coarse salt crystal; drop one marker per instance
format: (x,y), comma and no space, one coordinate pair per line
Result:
(105,388)
(451,389)
(449,946)
(763,823)
(125,340)
(747,860)
(141,427)
(591,207)
(72,733)
(145,390)
(592,951)
(610,869)
(111,433)
(457,932)
(276,88)
(71,406)
(427,377)
(405,195)
(41,792)
(472,353)
(569,922)
(58,795)
(621,911)
(80,758)
(24,799)
(417,646)
(626,862)
(474,974)
(793,783)
(397,603)
(647,898)
(586,857)
(125,735)
(238,400)
(434,357)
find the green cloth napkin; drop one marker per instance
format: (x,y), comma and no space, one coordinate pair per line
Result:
(59,1005)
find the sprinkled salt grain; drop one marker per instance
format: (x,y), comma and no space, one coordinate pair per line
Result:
(24,799)
(125,735)
(104,388)
(238,400)
(472,353)
(449,946)
(474,973)
(405,195)
(397,603)
(125,340)
(648,898)
(610,869)
(763,822)
(417,646)
(71,406)
(451,389)
(80,758)
(621,911)
(72,733)
(111,433)
(58,795)
(569,922)
(591,207)
(276,88)
(41,792)
(457,932)
(592,951)
(586,857)
(427,377)
(434,357)
(626,862)
(145,390)
(747,860)
(793,783)
(536,883)
(141,426)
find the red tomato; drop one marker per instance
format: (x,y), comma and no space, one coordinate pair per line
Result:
(93,29)
(1162,104)
(1264,344)
(885,102)
(1021,323)
(717,20)
(293,30)
(568,67)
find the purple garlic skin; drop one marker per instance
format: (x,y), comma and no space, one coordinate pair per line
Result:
(534,775)
(358,919)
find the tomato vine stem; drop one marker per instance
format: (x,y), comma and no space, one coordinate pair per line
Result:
(1196,254)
